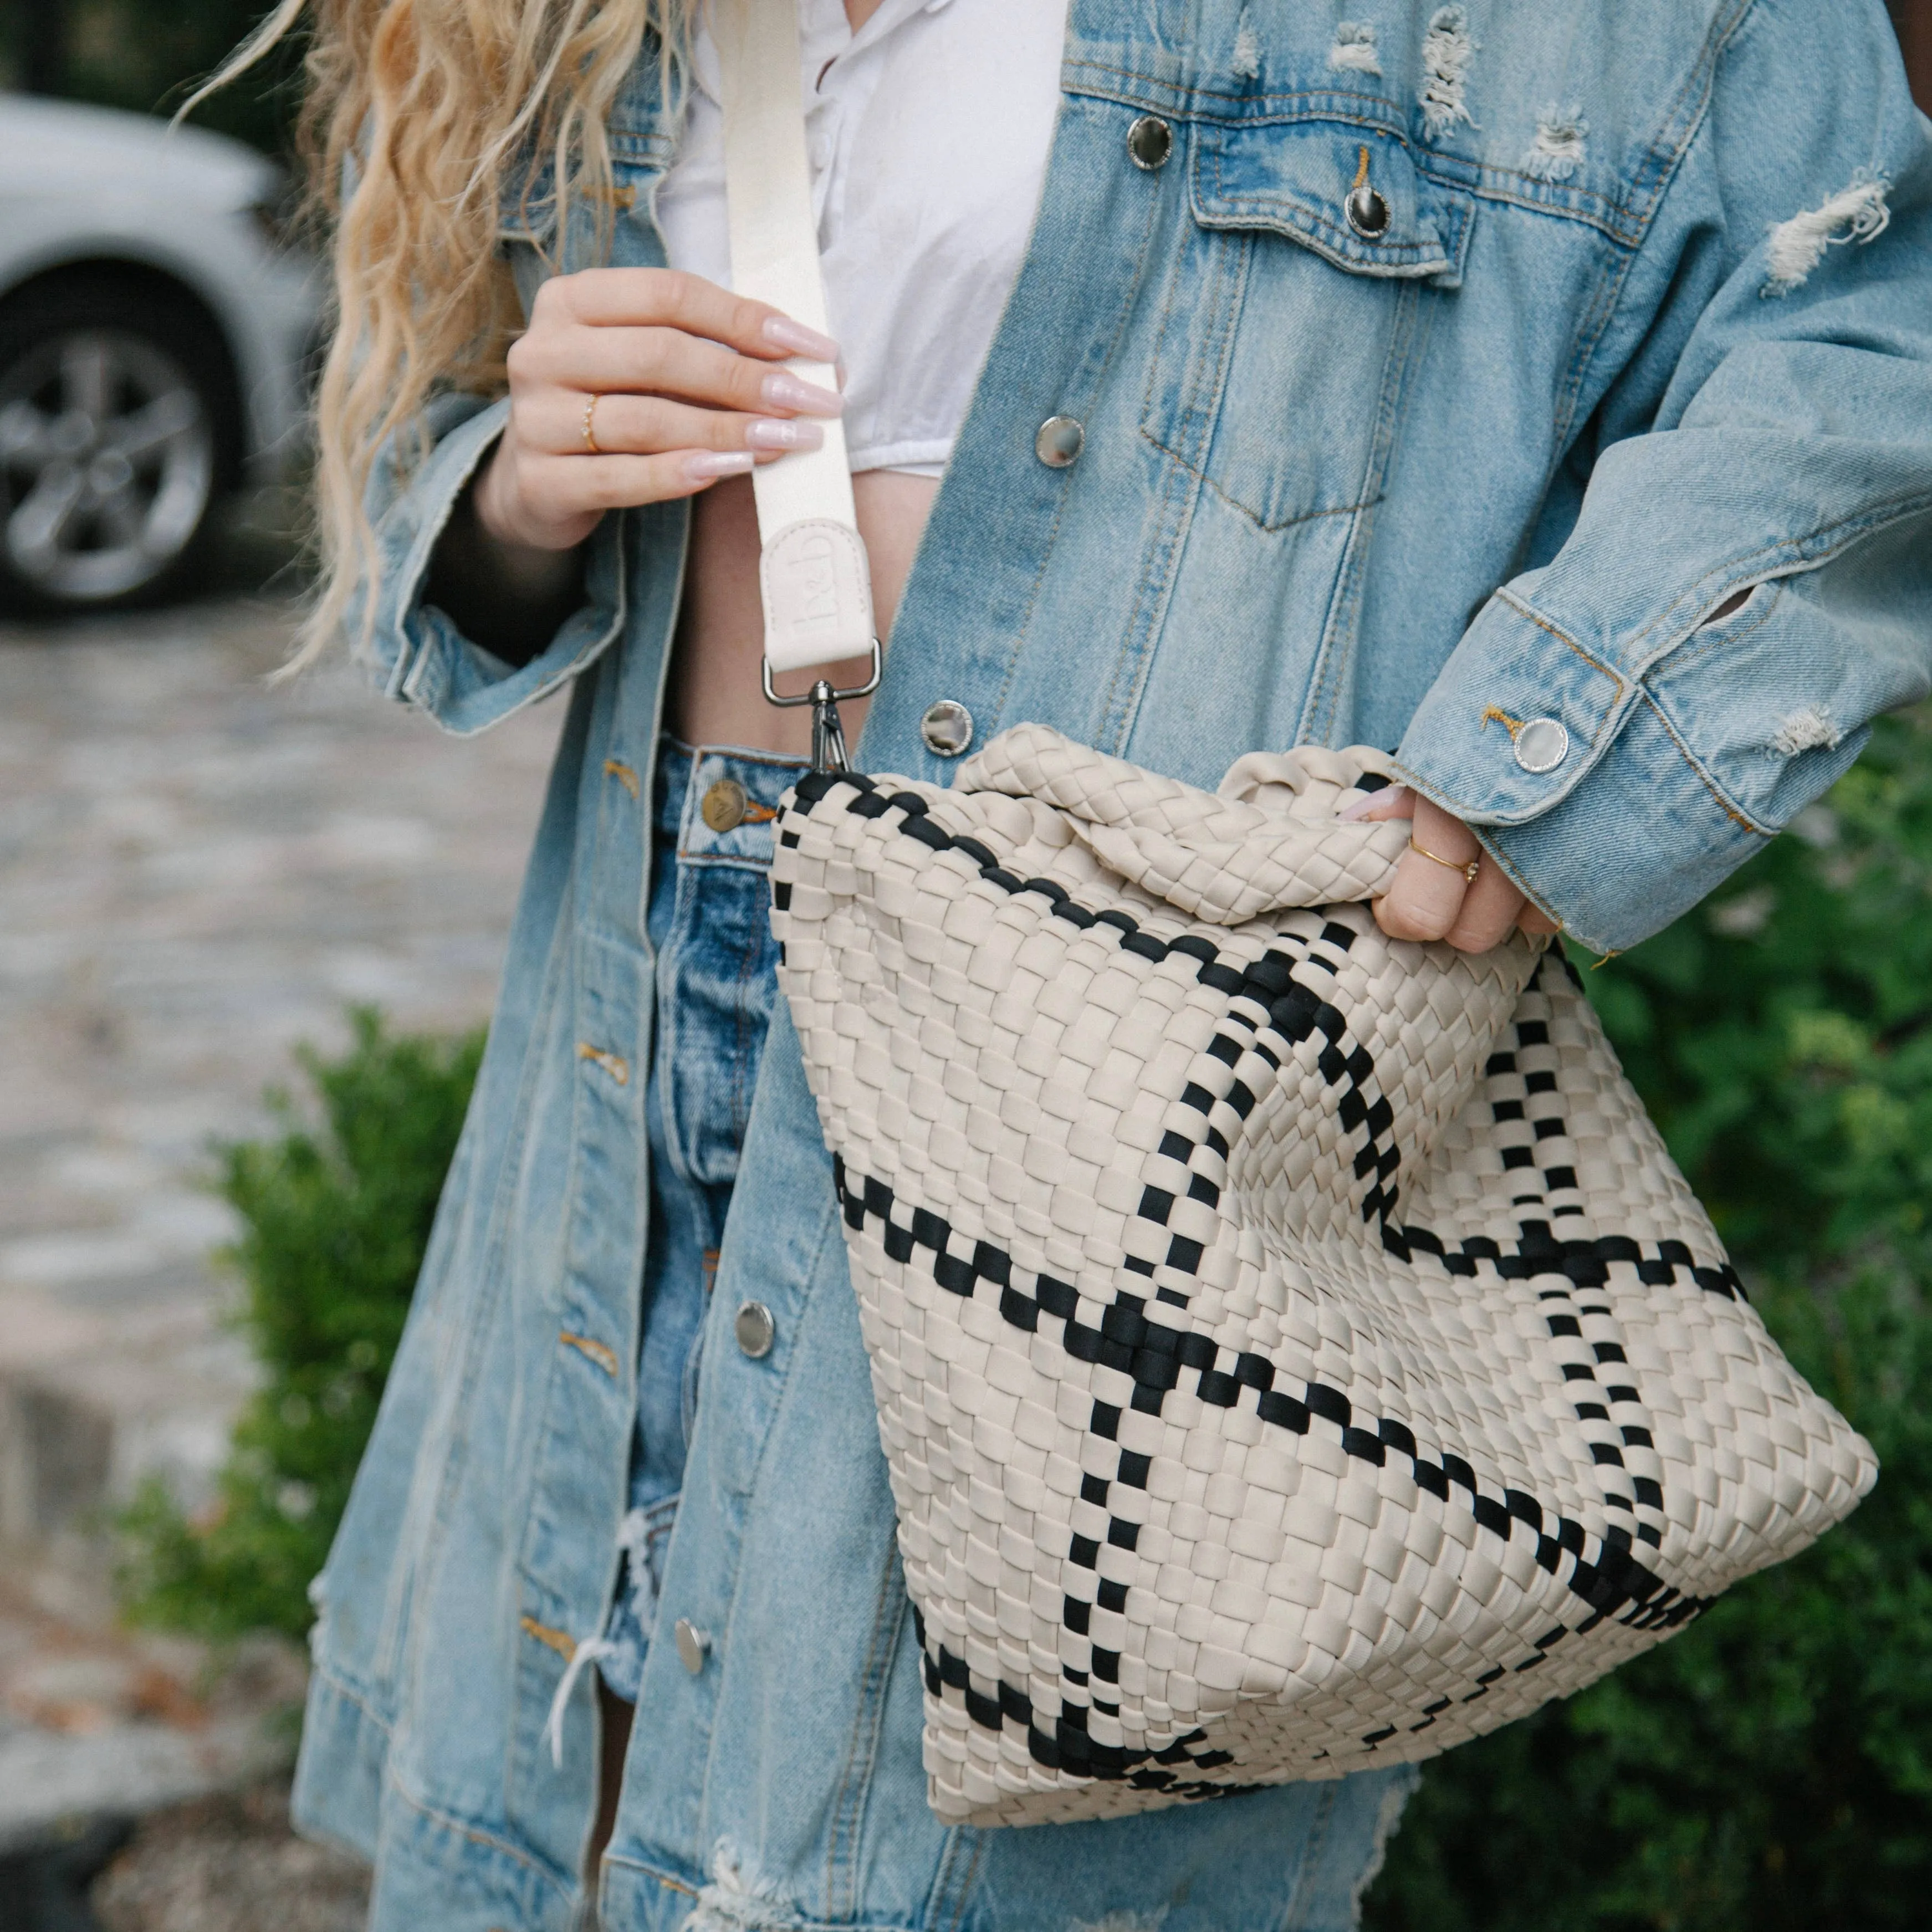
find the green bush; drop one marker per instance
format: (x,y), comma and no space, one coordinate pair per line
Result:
(1771,1767)
(335,1215)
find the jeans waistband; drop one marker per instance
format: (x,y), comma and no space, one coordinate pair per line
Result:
(742,787)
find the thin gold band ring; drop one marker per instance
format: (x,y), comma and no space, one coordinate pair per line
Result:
(1469,872)
(590,442)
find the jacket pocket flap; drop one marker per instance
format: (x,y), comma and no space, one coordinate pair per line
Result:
(1297,181)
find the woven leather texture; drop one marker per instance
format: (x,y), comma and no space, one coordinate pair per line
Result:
(1293,1349)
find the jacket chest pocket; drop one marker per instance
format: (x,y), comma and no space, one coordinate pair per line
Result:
(1295,302)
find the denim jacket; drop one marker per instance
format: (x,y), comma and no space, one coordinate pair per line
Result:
(1644,320)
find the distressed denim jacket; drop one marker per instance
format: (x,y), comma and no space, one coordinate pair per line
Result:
(1644,320)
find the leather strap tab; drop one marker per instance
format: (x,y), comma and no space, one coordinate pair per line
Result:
(813,577)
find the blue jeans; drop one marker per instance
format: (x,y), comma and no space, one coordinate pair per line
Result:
(716,965)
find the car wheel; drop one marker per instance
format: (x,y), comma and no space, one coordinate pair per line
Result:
(115,439)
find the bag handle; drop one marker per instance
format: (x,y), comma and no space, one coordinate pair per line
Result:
(813,574)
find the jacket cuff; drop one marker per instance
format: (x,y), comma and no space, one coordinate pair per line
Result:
(434,666)
(1608,823)
(1618,859)
(1617,795)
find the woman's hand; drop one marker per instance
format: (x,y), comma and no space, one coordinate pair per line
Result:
(673,377)
(1433,897)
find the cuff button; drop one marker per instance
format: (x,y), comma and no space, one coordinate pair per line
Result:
(1541,744)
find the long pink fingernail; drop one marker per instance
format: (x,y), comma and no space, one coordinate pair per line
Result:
(701,465)
(1401,799)
(768,432)
(782,390)
(795,339)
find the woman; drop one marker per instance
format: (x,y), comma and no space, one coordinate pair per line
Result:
(1547,392)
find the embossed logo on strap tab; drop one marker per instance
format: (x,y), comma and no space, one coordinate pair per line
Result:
(817,595)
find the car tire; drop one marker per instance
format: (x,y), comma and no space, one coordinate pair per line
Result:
(119,438)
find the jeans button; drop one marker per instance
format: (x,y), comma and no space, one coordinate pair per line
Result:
(1542,745)
(1149,142)
(755,1329)
(723,806)
(946,727)
(1059,441)
(694,1645)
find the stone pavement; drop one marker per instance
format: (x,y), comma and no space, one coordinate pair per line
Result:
(197,871)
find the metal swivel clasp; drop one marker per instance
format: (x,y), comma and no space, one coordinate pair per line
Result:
(828,733)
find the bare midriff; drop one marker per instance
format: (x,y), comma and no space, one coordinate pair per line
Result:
(716,694)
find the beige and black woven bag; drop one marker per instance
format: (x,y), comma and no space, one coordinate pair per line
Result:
(1294,1349)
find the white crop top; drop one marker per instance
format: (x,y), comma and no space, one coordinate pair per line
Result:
(928,134)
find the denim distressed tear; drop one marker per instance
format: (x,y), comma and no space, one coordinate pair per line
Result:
(1123,1921)
(736,1900)
(1809,728)
(1448,48)
(1388,1816)
(1857,213)
(1355,51)
(1558,150)
(1247,49)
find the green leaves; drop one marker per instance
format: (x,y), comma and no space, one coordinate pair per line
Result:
(1770,1769)
(1788,1059)
(336,1215)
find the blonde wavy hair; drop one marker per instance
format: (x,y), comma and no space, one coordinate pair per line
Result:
(415,115)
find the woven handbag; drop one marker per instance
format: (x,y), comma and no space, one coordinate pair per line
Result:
(1293,1349)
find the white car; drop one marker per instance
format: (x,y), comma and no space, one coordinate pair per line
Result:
(154,340)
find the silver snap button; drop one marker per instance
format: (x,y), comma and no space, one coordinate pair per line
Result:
(1542,745)
(1149,142)
(1368,214)
(694,1645)
(946,727)
(1059,441)
(755,1329)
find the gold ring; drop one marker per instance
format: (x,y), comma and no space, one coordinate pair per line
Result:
(590,442)
(1468,871)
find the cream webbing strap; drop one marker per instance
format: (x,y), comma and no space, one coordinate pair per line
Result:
(813,571)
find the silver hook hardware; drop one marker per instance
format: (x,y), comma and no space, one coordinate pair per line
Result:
(828,734)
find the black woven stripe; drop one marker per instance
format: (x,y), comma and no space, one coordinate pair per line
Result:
(1268,981)
(1540,1251)
(1585,1262)
(1584,1265)
(1067,1747)
(1294,1010)
(1155,1361)
(1127,1341)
